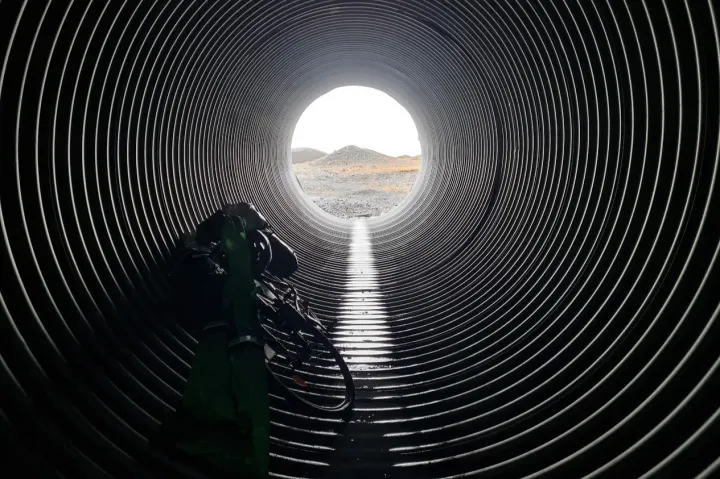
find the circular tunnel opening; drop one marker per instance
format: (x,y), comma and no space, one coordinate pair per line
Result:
(543,304)
(356,152)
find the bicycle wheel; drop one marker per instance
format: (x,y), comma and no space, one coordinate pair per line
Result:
(307,366)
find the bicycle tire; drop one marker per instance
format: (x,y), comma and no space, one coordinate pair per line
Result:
(349,397)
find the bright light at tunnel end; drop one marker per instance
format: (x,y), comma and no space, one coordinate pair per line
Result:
(357,115)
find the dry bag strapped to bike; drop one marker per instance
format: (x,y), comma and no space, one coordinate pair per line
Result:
(273,254)
(282,261)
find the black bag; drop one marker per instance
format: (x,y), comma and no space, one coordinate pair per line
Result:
(283,262)
(198,283)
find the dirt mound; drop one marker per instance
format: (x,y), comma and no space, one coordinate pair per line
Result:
(352,156)
(303,155)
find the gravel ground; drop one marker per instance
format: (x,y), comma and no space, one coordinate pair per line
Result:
(356,182)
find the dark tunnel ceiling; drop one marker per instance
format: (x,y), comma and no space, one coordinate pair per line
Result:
(550,287)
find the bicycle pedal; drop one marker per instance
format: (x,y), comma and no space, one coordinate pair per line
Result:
(269,352)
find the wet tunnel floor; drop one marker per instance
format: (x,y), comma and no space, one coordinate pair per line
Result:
(358,445)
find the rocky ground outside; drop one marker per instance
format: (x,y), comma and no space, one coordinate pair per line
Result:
(355,182)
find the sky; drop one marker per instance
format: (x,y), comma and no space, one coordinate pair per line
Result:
(361,116)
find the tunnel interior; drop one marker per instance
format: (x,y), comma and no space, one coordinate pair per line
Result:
(543,303)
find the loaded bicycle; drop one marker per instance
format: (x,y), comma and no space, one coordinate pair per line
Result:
(299,356)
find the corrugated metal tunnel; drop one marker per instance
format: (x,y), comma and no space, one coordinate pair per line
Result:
(544,303)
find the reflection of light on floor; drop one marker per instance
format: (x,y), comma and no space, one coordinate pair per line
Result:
(361,332)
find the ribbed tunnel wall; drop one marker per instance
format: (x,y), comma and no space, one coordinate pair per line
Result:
(549,290)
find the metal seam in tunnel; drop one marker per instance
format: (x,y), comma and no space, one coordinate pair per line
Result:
(544,303)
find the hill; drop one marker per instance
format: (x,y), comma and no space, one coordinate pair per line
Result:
(303,155)
(352,155)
